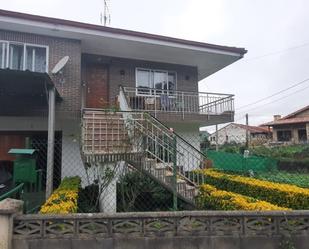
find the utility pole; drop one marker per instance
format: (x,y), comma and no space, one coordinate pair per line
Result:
(247,131)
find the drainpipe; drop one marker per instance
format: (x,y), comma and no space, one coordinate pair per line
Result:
(50,141)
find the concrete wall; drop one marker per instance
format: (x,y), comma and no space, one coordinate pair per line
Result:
(166,230)
(211,242)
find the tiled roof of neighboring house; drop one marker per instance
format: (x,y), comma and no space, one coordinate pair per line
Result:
(288,119)
(296,112)
(88,26)
(251,129)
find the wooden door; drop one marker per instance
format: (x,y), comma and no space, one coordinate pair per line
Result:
(8,142)
(97,86)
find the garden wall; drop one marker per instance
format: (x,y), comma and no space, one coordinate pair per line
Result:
(166,230)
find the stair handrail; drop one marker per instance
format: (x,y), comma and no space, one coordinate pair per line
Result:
(147,114)
(197,158)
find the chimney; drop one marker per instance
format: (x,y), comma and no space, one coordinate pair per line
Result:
(277,117)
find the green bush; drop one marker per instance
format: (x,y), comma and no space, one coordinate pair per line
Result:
(138,192)
(284,195)
(88,199)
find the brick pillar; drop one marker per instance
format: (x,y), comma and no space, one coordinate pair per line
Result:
(307,129)
(8,208)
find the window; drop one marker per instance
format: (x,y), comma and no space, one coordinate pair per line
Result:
(36,59)
(16,56)
(284,136)
(3,54)
(153,81)
(21,56)
(302,135)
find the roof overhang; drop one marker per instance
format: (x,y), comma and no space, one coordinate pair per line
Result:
(95,39)
(16,84)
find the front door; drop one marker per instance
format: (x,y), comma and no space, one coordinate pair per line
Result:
(97,86)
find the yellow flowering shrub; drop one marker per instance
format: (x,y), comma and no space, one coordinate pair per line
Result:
(284,195)
(211,197)
(64,199)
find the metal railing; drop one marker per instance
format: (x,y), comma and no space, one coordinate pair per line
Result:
(164,144)
(183,102)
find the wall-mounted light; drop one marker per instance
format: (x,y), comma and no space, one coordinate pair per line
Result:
(122,72)
(187,77)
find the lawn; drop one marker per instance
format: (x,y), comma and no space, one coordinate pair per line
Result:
(298,179)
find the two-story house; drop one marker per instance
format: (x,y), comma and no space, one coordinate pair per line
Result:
(108,69)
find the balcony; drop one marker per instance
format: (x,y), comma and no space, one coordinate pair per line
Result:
(202,107)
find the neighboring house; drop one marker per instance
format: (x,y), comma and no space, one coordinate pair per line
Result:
(293,128)
(236,133)
(106,68)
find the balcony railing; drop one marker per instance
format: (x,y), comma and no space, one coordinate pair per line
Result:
(157,100)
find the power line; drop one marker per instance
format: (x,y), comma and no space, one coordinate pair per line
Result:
(274,94)
(276,52)
(276,100)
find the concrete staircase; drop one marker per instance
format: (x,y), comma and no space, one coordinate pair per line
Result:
(109,137)
(104,133)
(186,189)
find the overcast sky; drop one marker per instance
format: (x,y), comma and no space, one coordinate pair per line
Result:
(276,27)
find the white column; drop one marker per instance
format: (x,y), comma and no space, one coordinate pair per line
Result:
(50,141)
(108,197)
(8,208)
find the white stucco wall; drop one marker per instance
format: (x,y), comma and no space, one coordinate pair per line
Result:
(188,157)
(230,133)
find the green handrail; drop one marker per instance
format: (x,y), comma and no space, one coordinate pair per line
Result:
(15,190)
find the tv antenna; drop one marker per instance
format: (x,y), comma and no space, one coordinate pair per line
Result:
(105,17)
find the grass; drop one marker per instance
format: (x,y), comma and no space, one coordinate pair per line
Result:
(298,179)
(279,152)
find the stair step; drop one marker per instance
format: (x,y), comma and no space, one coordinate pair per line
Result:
(116,144)
(104,126)
(101,113)
(105,137)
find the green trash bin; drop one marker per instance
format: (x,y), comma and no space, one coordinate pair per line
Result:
(24,170)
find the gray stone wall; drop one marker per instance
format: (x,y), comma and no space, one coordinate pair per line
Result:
(166,230)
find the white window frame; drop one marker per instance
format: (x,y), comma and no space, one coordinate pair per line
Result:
(25,45)
(152,80)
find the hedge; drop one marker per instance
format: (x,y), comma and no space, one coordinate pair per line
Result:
(284,195)
(64,199)
(293,165)
(211,197)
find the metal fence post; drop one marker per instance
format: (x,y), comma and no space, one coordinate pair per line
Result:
(51,142)
(174,172)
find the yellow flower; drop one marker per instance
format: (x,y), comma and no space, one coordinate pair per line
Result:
(64,198)
(286,195)
(219,199)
